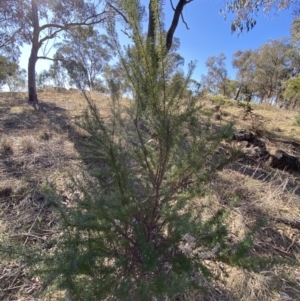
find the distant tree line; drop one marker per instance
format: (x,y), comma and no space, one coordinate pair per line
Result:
(269,74)
(85,57)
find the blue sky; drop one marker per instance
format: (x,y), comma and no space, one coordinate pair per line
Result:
(210,35)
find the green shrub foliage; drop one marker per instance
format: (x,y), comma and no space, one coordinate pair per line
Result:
(132,230)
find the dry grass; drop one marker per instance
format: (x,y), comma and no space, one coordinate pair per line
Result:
(6,145)
(265,118)
(40,146)
(253,192)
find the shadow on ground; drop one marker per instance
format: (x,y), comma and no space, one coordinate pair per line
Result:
(258,170)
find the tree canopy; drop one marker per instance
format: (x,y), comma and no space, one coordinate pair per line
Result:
(245,11)
(291,91)
(8,63)
(84,51)
(261,72)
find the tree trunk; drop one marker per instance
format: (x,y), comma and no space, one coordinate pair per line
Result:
(151,23)
(177,13)
(238,93)
(261,98)
(32,95)
(269,97)
(250,97)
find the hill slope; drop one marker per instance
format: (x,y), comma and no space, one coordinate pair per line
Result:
(40,146)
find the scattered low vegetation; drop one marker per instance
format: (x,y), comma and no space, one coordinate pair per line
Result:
(247,187)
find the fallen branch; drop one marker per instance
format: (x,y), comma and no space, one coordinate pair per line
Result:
(36,218)
(13,288)
(12,273)
(28,235)
(289,222)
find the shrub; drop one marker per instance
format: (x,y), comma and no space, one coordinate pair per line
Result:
(27,144)
(219,99)
(132,230)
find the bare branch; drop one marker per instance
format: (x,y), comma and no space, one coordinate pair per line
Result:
(182,18)
(10,39)
(127,34)
(85,22)
(49,58)
(172,5)
(50,36)
(119,12)
(64,27)
(174,24)
(28,235)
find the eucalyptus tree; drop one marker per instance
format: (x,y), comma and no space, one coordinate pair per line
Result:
(58,74)
(295,41)
(291,92)
(243,61)
(86,52)
(273,65)
(16,82)
(216,80)
(55,76)
(43,79)
(39,22)
(232,87)
(295,32)
(262,71)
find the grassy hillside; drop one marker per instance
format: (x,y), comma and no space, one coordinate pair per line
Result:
(41,146)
